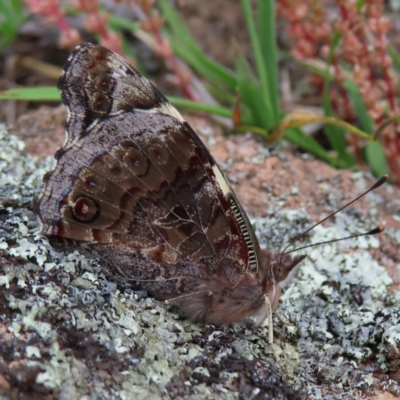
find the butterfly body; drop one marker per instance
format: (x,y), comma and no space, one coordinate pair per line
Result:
(136,184)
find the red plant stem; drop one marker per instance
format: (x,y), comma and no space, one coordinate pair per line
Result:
(345,16)
(388,80)
(392,156)
(60,20)
(344,12)
(355,140)
(390,89)
(348,114)
(364,48)
(103,32)
(172,62)
(343,92)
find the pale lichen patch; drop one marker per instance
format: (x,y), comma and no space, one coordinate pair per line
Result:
(91,338)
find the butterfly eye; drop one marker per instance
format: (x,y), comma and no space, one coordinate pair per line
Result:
(278,273)
(85,209)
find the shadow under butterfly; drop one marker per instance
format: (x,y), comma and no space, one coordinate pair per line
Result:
(136,184)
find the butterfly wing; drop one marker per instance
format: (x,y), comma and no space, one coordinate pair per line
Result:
(133,174)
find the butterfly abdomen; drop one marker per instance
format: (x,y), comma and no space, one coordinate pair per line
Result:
(216,304)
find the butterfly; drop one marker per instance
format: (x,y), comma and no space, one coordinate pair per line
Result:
(138,186)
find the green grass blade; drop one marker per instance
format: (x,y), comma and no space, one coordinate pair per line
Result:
(175,21)
(211,70)
(373,152)
(361,112)
(260,65)
(11,18)
(249,91)
(207,108)
(307,143)
(32,93)
(335,134)
(376,158)
(267,34)
(326,74)
(185,47)
(395,57)
(118,22)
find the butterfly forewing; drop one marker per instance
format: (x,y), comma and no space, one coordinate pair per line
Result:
(134,175)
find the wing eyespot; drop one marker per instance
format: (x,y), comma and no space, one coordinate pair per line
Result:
(85,209)
(100,103)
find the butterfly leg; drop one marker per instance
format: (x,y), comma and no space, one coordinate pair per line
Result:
(169,301)
(184,296)
(271,334)
(270,322)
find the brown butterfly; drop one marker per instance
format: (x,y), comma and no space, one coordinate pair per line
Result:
(135,182)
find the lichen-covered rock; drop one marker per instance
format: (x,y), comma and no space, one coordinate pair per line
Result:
(67,331)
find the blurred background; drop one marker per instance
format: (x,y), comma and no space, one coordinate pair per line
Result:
(315,76)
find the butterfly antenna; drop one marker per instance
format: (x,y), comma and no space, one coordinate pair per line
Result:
(378,183)
(375,231)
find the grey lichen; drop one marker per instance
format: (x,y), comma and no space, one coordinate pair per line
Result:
(70,332)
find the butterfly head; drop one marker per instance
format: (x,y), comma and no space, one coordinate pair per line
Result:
(279,270)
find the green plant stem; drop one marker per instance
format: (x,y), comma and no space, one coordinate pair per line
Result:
(261,68)
(387,122)
(267,34)
(254,129)
(343,124)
